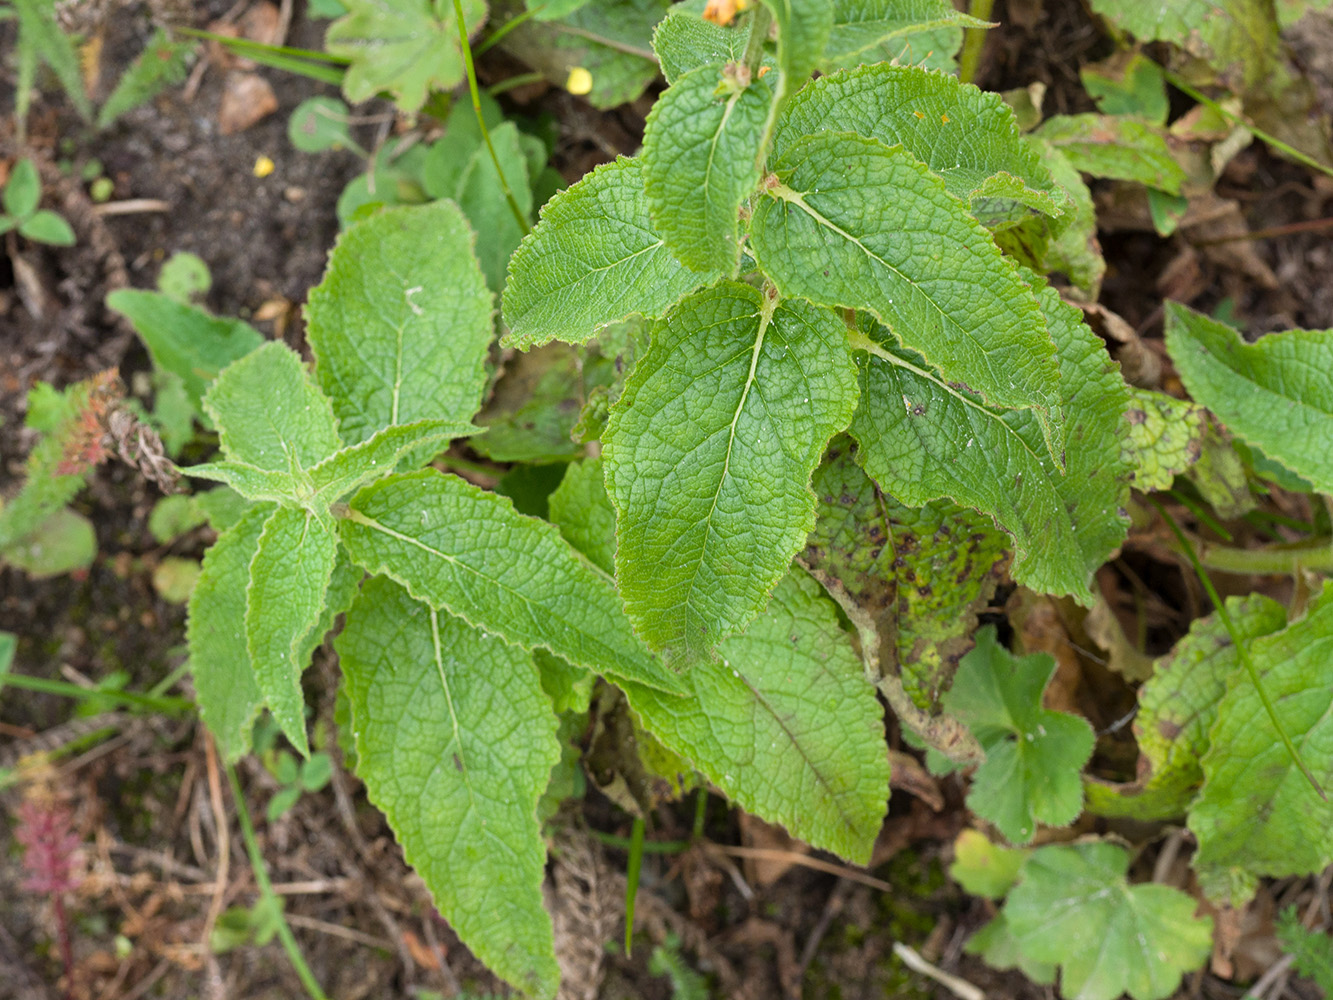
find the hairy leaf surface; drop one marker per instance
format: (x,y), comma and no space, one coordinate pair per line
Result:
(583,512)
(183,340)
(1165,438)
(968,137)
(270,414)
(1257,813)
(785,723)
(1275,394)
(467,551)
(401,323)
(352,467)
(829,233)
(803,33)
(1033,755)
(594,258)
(684,41)
(455,742)
(709,453)
(228,696)
(1074,906)
(699,149)
(860,27)
(289,576)
(921,438)
(1177,710)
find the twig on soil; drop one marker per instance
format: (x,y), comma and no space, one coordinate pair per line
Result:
(132,206)
(958,987)
(837,899)
(338,930)
(791,857)
(149,981)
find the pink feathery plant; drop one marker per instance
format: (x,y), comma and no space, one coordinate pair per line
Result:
(50,857)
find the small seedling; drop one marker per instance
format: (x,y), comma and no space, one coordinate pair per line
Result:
(22,194)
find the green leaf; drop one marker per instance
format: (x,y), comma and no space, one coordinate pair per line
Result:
(996,945)
(321,123)
(709,453)
(270,414)
(1164,439)
(1237,37)
(23,190)
(1033,755)
(862,27)
(481,196)
(594,258)
(40,33)
(967,137)
(223,507)
(61,543)
(253,483)
(921,438)
(183,340)
(831,233)
(699,149)
(1177,709)
(47,227)
(1257,813)
(1074,906)
(351,468)
(983,868)
(583,512)
(684,41)
(161,64)
(8,644)
(1129,83)
(785,724)
(466,551)
(1119,148)
(224,682)
(1275,394)
(401,323)
(923,573)
(1075,249)
(405,47)
(174,516)
(289,576)
(803,33)
(455,741)
(1311,949)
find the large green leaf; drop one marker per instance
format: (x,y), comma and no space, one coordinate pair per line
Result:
(468,552)
(583,512)
(183,340)
(455,742)
(1177,709)
(1033,755)
(785,723)
(594,258)
(1275,394)
(405,47)
(1120,148)
(270,414)
(289,575)
(966,136)
(1257,813)
(923,438)
(845,227)
(354,466)
(709,453)
(699,149)
(861,27)
(684,41)
(923,572)
(401,323)
(228,696)
(1074,906)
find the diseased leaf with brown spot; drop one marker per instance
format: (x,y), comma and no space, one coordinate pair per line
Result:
(922,572)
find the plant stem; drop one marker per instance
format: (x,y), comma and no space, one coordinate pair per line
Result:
(760,22)
(267,894)
(506,28)
(1273,559)
(1180,84)
(649,846)
(632,879)
(466,46)
(43,685)
(1242,649)
(974,40)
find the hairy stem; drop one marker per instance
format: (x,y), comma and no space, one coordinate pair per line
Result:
(974,40)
